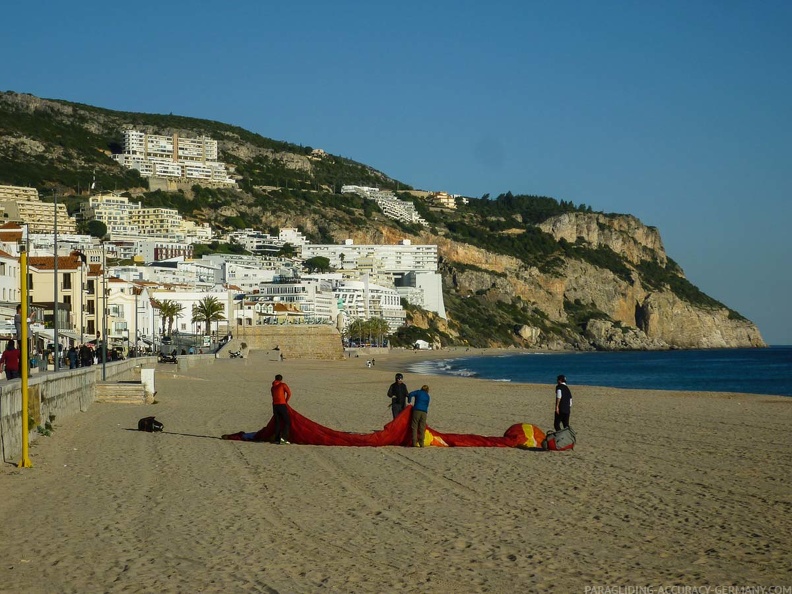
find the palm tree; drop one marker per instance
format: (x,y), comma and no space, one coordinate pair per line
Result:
(357,328)
(208,310)
(169,310)
(378,327)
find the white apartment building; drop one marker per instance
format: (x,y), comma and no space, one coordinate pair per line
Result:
(43,244)
(128,220)
(194,273)
(9,277)
(147,249)
(198,275)
(258,242)
(424,289)
(247,278)
(22,205)
(158,222)
(173,156)
(18,193)
(391,206)
(399,258)
(412,268)
(362,300)
(311,300)
(112,210)
(243,270)
(196,232)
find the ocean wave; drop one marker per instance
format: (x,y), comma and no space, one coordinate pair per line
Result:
(442,367)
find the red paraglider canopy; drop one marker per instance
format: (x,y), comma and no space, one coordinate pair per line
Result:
(396,433)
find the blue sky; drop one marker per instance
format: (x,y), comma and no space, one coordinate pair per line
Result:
(679,113)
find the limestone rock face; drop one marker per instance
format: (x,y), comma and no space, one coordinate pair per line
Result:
(637,318)
(529,335)
(624,234)
(606,336)
(664,315)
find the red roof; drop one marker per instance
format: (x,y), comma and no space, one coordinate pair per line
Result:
(48,262)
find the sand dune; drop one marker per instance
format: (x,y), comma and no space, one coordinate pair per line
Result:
(664,488)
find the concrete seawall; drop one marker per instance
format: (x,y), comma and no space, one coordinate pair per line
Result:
(61,394)
(72,391)
(296,341)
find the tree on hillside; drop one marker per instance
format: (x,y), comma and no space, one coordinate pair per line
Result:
(96,229)
(317,264)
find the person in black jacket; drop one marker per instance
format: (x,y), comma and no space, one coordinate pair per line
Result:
(398,395)
(563,403)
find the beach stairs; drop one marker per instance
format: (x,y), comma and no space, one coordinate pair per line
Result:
(129,391)
(235,344)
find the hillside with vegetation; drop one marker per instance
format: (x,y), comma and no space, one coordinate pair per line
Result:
(521,270)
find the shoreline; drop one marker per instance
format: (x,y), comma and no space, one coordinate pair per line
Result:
(404,360)
(679,488)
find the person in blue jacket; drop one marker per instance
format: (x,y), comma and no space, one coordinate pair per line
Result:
(420,410)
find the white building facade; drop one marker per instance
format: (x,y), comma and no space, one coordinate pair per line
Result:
(155,155)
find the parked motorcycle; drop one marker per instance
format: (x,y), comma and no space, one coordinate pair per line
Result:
(163,358)
(235,354)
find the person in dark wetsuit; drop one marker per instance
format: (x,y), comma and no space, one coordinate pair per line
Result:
(563,403)
(397,392)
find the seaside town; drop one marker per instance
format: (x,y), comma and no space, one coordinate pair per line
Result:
(449,298)
(140,286)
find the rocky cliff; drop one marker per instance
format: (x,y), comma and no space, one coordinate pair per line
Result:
(589,307)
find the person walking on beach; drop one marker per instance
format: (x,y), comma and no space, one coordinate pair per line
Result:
(419,413)
(281,394)
(563,403)
(9,360)
(398,393)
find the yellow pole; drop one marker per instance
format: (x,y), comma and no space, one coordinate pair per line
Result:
(24,358)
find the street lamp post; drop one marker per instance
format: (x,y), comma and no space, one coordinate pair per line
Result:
(82,296)
(55,289)
(137,293)
(104,312)
(153,330)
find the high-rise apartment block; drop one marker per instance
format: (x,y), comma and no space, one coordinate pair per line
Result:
(156,155)
(22,205)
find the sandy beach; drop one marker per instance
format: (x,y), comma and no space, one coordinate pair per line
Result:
(663,489)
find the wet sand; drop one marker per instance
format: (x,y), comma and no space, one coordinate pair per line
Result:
(664,488)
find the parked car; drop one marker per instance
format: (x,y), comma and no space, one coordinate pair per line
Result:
(167,340)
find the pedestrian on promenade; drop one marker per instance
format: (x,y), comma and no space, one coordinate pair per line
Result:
(9,360)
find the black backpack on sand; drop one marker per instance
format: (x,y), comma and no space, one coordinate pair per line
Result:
(149,424)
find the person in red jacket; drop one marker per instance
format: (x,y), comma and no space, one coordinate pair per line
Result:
(9,361)
(280,397)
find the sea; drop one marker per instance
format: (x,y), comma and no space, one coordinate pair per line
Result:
(752,371)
